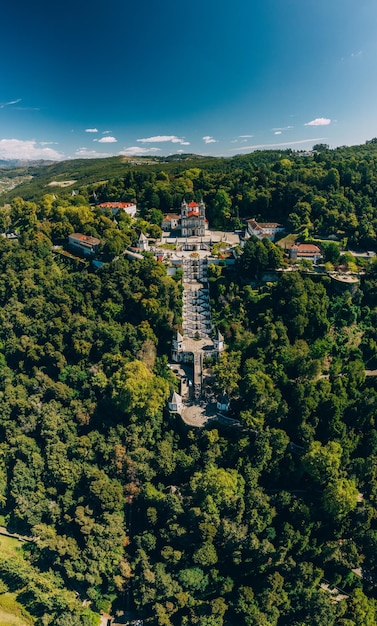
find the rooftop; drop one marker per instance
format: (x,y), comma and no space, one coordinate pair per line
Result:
(306,247)
(262,225)
(175,398)
(171,216)
(117,205)
(85,239)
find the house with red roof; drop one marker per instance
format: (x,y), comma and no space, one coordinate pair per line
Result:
(116,207)
(308,251)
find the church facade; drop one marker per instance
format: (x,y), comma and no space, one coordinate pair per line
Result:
(193,219)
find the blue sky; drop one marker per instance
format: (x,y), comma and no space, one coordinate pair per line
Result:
(214,77)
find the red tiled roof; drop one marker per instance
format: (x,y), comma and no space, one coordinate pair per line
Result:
(171,216)
(116,205)
(193,214)
(85,239)
(192,204)
(307,247)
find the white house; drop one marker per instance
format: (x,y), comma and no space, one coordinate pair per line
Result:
(116,207)
(263,230)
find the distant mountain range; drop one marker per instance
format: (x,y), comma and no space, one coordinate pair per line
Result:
(9,164)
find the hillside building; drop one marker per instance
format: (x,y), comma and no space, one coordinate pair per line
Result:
(307,251)
(264,230)
(192,221)
(117,207)
(170,222)
(83,244)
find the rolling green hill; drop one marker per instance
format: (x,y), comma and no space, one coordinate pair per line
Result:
(33,180)
(36,180)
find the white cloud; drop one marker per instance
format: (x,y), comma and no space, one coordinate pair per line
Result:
(240,138)
(283,144)
(20,149)
(106,132)
(162,138)
(48,143)
(277,132)
(91,130)
(283,128)
(90,154)
(209,139)
(138,151)
(7,104)
(319,121)
(107,139)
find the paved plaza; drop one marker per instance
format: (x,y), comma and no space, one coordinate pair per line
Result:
(211,236)
(200,245)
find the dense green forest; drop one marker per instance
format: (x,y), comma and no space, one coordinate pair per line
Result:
(83,382)
(123,506)
(327,191)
